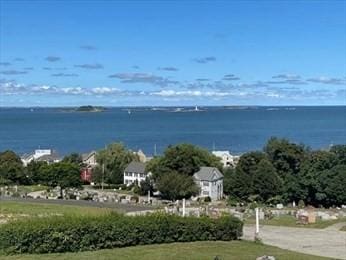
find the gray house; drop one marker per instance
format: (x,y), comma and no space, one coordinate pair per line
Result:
(210,182)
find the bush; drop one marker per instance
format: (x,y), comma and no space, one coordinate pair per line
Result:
(207,199)
(73,234)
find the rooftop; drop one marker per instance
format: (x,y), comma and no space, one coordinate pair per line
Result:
(137,167)
(208,174)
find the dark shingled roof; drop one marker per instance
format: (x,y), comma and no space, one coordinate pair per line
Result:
(207,174)
(137,167)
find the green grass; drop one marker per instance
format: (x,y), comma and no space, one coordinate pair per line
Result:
(237,250)
(291,221)
(17,210)
(28,188)
(343,228)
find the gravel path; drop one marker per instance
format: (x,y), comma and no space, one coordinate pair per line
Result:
(329,242)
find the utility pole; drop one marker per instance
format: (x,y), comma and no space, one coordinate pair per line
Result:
(103,173)
(155,150)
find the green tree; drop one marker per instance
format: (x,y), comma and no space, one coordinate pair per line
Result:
(184,159)
(331,189)
(75,158)
(180,162)
(340,152)
(287,159)
(311,168)
(173,186)
(145,187)
(11,169)
(63,174)
(34,171)
(115,157)
(265,181)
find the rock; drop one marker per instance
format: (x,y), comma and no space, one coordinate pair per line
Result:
(266,257)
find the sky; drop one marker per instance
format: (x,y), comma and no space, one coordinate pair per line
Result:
(172,53)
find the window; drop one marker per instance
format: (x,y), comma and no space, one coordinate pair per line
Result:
(205,192)
(205,183)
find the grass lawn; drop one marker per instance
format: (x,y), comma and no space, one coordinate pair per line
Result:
(290,221)
(236,250)
(28,188)
(15,210)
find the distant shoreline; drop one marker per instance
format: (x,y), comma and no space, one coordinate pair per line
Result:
(201,106)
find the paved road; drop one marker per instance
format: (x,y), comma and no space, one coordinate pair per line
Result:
(329,242)
(83,203)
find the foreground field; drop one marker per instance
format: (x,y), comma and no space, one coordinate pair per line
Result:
(237,250)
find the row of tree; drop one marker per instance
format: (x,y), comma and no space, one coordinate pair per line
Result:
(64,174)
(286,172)
(282,172)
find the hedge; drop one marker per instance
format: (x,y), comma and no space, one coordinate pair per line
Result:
(73,234)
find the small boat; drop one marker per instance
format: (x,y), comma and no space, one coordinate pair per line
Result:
(129,111)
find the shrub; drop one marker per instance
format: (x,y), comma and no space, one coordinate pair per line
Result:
(73,234)
(207,199)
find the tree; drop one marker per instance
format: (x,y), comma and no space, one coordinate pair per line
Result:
(63,174)
(238,185)
(11,169)
(315,163)
(34,171)
(145,187)
(265,181)
(173,186)
(184,159)
(180,162)
(331,189)
(340,152)
(115,157)
(75,158)
(287,159)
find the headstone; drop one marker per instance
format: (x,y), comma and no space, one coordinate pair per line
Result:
(266,257)
(311,217)
(279,206)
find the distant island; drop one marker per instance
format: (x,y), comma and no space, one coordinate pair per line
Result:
(85,109)
(90,109)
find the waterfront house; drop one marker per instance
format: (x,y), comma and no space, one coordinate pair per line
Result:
(226,158)
(135,173)
(41,155)
(210,182)
(89,163)
(89,159)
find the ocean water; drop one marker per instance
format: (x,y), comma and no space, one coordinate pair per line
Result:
(236,129)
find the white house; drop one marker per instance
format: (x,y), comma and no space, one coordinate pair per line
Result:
(210,182)
(89,159)
(46,155)
(135,173)
(226,158)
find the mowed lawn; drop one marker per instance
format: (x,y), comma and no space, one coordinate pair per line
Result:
(18,210)
(237,250)
(291,221)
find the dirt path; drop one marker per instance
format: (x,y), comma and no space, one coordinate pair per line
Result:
(329,242)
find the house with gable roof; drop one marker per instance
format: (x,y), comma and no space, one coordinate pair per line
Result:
(210,182)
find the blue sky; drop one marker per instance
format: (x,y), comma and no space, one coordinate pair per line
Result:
(133,53)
